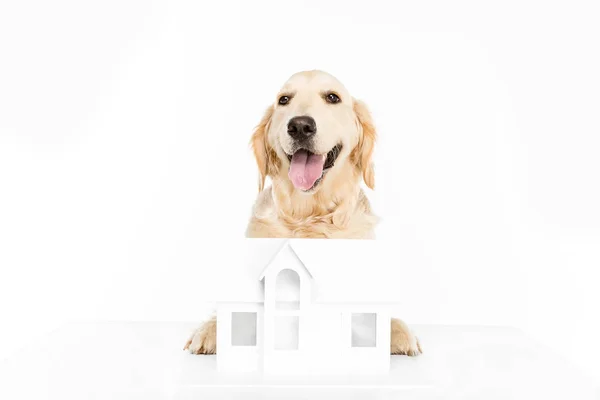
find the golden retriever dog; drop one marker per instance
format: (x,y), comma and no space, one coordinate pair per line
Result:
(315,143)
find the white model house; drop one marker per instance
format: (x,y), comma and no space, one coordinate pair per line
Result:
(279,319)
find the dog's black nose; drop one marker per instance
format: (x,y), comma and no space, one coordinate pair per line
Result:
(301,128)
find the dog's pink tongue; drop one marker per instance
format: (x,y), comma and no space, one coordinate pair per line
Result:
(305,169)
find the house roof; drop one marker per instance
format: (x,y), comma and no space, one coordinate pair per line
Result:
(343,270)
(288,243)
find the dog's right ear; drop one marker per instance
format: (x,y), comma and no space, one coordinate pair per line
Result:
(262,151)
(363,152)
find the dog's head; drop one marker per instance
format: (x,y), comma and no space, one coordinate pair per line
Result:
(312,131)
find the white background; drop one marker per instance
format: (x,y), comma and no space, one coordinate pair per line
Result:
(125,167)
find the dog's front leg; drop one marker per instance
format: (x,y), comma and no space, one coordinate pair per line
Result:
(403,340)
(204,339)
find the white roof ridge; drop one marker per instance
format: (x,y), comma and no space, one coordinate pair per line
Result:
(286,242)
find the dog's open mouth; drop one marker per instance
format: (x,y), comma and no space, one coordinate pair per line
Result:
(307,169)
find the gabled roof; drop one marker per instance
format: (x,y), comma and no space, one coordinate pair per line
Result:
(288,243)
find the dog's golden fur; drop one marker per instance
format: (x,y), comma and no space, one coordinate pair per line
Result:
(338,206)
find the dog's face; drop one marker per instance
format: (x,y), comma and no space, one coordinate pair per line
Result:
(313,128)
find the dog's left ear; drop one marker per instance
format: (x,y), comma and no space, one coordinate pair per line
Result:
(265,159)
(362,153)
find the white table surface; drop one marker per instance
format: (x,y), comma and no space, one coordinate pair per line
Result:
(146,361)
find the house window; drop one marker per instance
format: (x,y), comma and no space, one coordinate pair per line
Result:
(243,329)
(287,290)
(364,329)
(287,332)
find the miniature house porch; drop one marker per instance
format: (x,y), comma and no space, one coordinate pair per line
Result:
(285,327)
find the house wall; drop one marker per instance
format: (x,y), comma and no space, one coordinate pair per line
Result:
(319,348)
(366,360)
(238,358)
(325,344)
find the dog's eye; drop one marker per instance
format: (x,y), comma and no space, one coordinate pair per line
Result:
(283,100)
(332,98)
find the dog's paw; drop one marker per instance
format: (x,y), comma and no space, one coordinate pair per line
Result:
(403,341)
(204,339)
